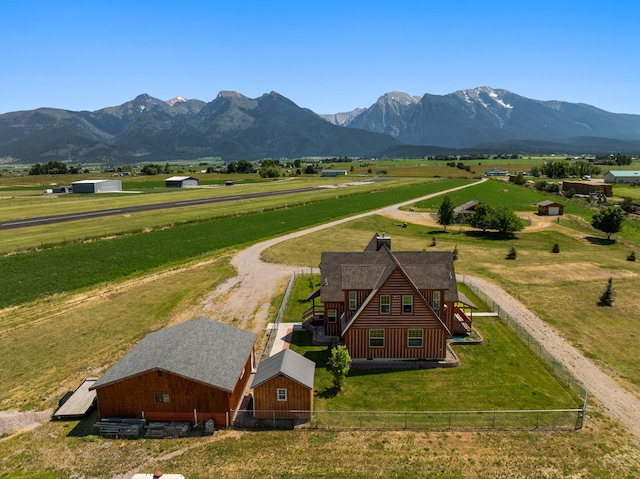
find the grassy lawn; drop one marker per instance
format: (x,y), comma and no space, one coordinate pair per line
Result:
(490,377)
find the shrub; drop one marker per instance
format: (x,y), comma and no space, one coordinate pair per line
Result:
(455,253)
(606,299)
(513,254)
(556,248)
(631,256)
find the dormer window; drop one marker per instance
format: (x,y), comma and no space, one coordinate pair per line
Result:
(436,300)
(353,304)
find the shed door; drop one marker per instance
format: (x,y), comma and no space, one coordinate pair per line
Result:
(554,210)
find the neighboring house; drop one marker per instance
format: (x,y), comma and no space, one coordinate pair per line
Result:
(283,387)
(96,186)
(550,208)
(622,176)
(392,305)
(191,372)
(181,182)
(332,173)
(496,172)
(466,209)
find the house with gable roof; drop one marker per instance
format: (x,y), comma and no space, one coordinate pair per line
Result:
(387,305)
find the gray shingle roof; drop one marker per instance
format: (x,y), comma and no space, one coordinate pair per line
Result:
(290,364)
(366,270)
(207,351)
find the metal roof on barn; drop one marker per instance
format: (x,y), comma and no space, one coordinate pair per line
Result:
(288,363)
(201,349)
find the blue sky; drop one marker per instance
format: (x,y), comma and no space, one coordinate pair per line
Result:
(328,56)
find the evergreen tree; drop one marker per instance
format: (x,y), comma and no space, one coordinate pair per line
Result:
(607,295)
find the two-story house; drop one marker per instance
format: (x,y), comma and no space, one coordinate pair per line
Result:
(391,305)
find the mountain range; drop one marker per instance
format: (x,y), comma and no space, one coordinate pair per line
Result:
(233,127)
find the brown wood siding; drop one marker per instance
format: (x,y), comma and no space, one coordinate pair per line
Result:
(134,396)
(332,329)
(299,398)
(396,344)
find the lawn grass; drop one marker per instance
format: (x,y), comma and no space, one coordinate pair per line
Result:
(489,378)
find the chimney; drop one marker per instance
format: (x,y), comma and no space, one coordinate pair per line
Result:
(383,240)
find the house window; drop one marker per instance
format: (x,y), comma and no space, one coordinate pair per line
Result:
(352,300)
(163,397)
(282,394)
(332,315)
(385,304)
(376,338)
(407,304)
(416,338)
(436,300)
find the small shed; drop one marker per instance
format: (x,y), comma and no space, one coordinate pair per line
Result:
(283,387)
(550,208)
(181,182)
(466,209)
(96,186)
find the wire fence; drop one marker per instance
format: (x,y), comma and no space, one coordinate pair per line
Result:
(283,305)
(560,371)
(554,419)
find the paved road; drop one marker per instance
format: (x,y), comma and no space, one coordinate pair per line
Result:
(46,220)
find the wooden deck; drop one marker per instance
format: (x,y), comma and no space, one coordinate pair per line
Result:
(80,402)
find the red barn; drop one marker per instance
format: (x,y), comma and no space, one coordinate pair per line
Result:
(191,372)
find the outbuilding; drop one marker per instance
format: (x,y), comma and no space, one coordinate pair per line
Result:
(96,186)
(283,387)
(333,173)
(181,182)
(623,176)
(550,208)
(191,372)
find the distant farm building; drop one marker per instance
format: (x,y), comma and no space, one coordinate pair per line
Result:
(588,188)
(192,372)
(331,173)
(466,209)
(283,387)
(496,172)
(96,186)
(181,182)
(550,208)
(621,176)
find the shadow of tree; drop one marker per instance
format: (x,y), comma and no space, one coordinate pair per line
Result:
(599,241)
(328,393)
(490,235)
